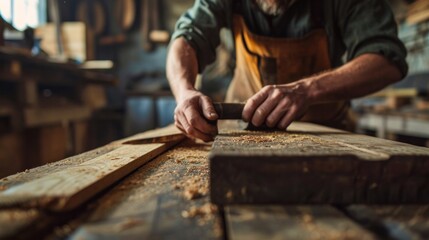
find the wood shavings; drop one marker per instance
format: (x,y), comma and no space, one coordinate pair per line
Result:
(307,218)
(205,211)
(195,188)
(271,137)
(191,194)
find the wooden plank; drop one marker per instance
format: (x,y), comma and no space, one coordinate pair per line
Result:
(12,221)
(164,199)
(418,12)
(291,222)
(19,220)
(67,189)
(335,167)
(408,220)
(392,221)
(396,92)
(158,134)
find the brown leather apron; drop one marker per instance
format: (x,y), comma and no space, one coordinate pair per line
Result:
(262,60)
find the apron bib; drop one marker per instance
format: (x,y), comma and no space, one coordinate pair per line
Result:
(262,60)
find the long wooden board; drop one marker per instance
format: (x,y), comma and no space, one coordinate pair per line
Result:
(152,203)
(314,164)
(69,188)
(291,222)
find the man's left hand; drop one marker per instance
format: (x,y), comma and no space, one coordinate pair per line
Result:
(277,105)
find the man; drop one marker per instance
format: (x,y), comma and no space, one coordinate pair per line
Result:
(289,59)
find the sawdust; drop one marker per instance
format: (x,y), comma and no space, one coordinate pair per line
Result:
(179,177)
(204,212)
(270,137)
(194,183)
(194,188)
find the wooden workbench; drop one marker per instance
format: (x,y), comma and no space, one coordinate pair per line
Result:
(168,198)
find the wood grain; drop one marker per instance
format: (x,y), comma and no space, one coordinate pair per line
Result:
(154,136)
(69,188)
(392,221)
(17,220)
(291,222)
(313,164)
(150,203)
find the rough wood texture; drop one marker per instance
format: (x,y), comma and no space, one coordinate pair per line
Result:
(291,222)
(165,199)
(69,188)
(392,221)
(23,218)
(313,164)
(163,135)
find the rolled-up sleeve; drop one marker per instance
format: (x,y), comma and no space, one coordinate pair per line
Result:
(200,26)
(368,26)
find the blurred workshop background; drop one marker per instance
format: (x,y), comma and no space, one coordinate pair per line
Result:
(78,74)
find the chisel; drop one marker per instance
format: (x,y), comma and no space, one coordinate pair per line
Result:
(229,110)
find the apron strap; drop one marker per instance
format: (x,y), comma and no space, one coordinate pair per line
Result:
(317,14)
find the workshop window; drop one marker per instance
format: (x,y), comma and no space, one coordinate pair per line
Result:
(23,13)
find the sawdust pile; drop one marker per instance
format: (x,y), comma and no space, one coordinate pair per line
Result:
(194,188)
(194,185)
(249,137)
(203,211)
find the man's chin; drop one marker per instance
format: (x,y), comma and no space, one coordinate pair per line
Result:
(273,7)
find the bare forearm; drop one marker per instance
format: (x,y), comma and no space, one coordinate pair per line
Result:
(182,67)
(364,75)
(193,108)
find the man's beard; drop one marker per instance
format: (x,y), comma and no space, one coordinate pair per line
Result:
(273,7)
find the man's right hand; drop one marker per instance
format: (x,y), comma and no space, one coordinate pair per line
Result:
(192,114)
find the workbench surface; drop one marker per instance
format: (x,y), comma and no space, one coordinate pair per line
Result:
(168,198)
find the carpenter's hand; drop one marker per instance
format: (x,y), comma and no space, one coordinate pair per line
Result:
(277,105)
(192,114)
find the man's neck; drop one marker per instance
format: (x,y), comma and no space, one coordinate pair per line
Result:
(274,7)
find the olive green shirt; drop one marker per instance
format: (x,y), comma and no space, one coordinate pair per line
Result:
(354,27)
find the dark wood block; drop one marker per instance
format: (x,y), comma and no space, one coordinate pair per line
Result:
(314,164)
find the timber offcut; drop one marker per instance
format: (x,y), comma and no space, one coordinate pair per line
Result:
(315,164)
